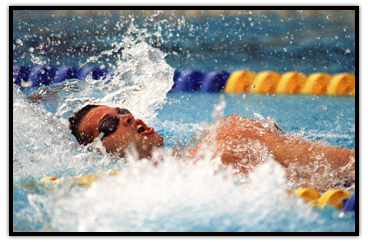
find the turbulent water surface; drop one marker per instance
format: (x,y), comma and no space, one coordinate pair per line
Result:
(170,194)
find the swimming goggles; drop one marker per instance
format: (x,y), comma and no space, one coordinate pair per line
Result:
(110,125)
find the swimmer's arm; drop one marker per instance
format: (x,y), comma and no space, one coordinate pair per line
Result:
(287,150)
(339,157)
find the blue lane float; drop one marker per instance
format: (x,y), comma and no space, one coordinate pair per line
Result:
(349,204)
(27,76)
(20,74)
(176,77)
(65,73)
(41,75)
(96,72)
(214,81)
(188,81)
(110,73)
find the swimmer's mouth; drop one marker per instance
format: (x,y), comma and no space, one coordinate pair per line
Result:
(142,128)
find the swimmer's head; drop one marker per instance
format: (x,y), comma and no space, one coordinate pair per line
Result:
(117,127)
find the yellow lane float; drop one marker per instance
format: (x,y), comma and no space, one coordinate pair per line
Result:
(239,82)
(342,84)
(80,181)
(333,198)
(308,194)
(291,83)
(265,82)
(316,84)
(49,178)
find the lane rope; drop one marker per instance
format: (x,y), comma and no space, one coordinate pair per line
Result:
(242,81)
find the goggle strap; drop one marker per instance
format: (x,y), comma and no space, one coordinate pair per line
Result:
(99,137)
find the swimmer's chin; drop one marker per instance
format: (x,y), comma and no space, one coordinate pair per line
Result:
(144,150)
(159,142)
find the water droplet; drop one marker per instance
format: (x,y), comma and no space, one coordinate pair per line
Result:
(336,37)
(254,86)
(246,108)
(31,49)
(324,107)
(19,42)
(285,49)
(328,17)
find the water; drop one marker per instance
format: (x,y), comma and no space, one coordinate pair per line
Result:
(169,194)
(281,41)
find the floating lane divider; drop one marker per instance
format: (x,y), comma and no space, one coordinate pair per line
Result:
(266,82)
(335,198)
(339,199)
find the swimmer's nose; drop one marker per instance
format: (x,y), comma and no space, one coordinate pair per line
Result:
(127,119)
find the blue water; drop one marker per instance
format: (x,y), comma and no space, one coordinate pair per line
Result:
(175,195)
(251,40)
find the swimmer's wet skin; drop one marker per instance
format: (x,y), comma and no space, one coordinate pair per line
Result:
(240,142)
(236,130)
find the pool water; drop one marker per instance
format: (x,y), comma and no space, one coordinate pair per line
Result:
(281,41)
(174,195)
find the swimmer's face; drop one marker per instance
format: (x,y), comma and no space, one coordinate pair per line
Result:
(121,131)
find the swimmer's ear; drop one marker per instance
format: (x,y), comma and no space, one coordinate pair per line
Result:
(73,126)
(74,122)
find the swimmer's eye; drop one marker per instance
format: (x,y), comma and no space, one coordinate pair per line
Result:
(109,126)
(123,111)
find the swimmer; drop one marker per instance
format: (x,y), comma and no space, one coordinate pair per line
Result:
(240,142)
